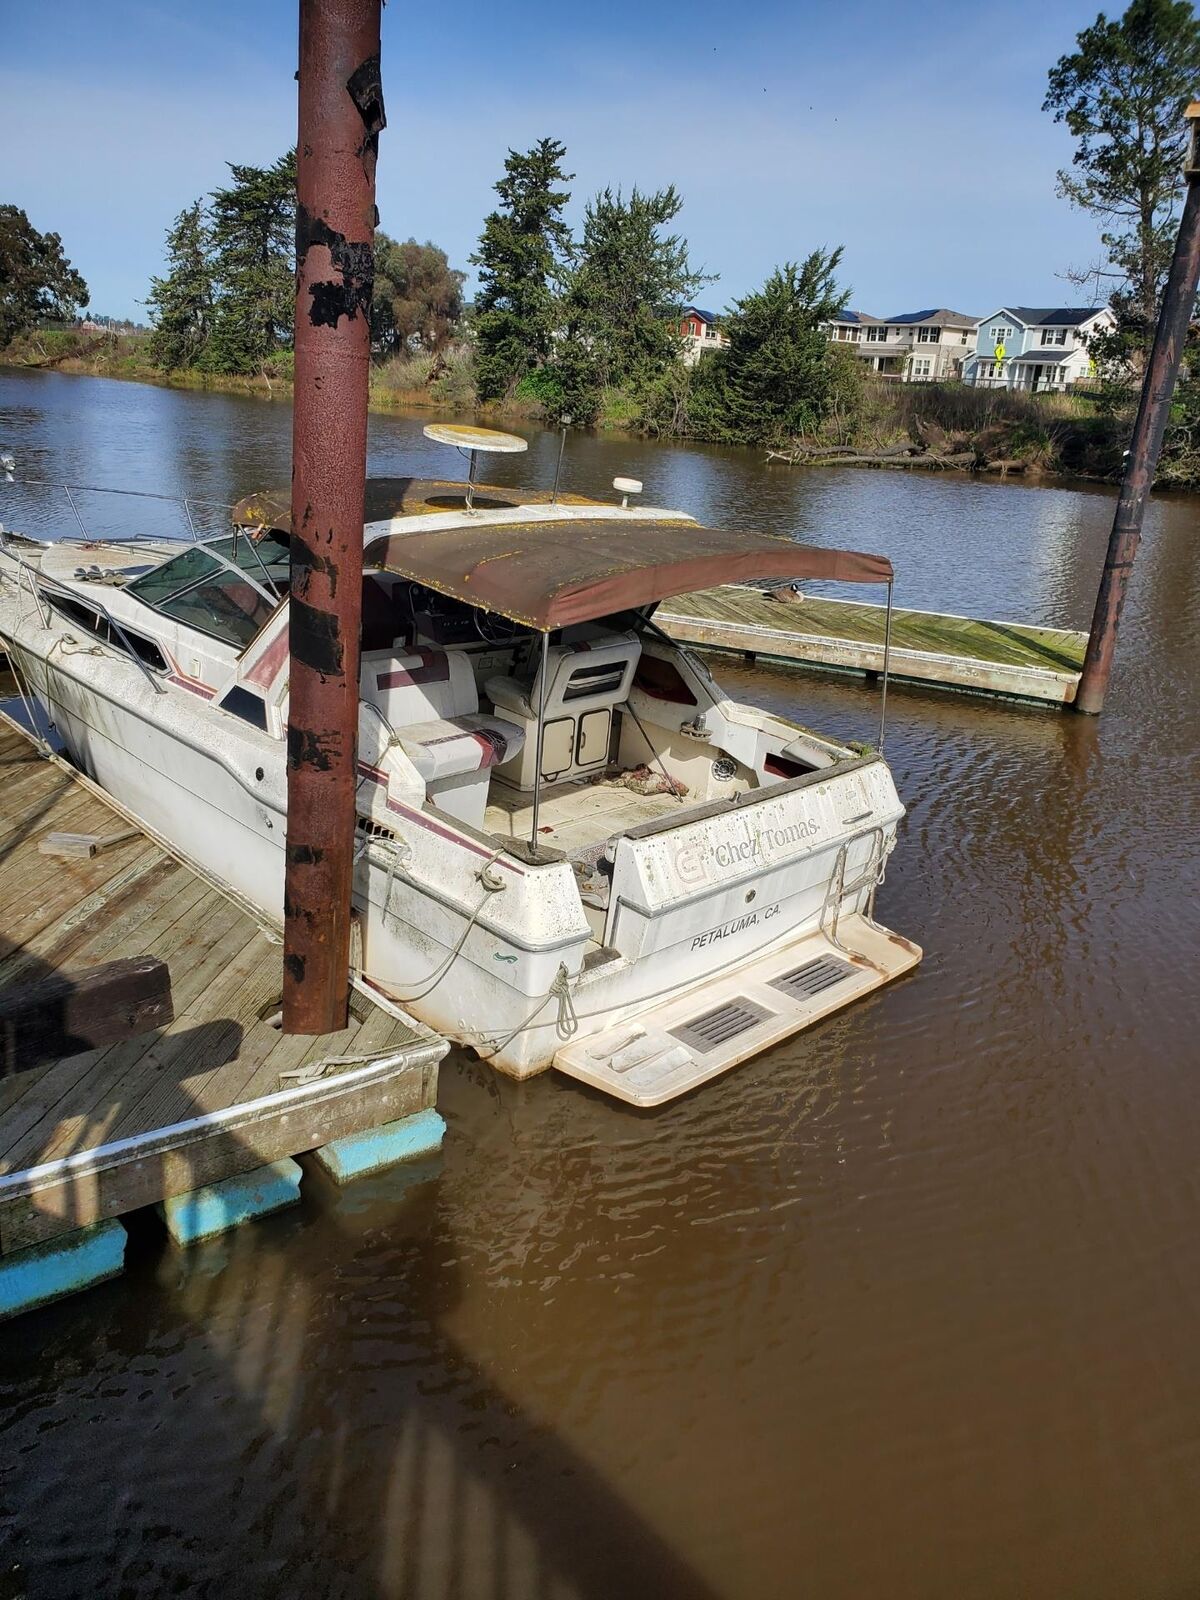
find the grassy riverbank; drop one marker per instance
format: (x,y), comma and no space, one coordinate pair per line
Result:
(895,426)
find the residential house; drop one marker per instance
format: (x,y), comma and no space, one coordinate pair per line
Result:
(914,346)
(700,331)
(1036,347)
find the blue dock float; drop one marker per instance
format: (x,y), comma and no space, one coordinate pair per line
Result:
(63,1265)
(375,1149)
(217,1207)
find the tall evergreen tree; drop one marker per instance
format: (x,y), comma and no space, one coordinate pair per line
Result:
(36,279)
(253,231)
(181,304)
(628,289)
(523,253)
(1122,94)
(776,378)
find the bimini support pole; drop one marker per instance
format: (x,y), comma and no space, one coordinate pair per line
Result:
(541,734)
(1158,387)
(340,118)
(887,661)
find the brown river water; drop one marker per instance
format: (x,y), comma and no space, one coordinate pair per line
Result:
(909,1306)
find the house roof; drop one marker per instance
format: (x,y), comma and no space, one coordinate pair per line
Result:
(1042,355)
(548,575)
(705,316)
(856,317)
(949,319)
(1048,316)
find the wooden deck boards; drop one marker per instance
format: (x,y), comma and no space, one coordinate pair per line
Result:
(963,652)
(112,1128)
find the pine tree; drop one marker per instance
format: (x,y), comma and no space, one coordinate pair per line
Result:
(625,296)
(1123,94)
(253,231)
(181,304)
(776,379)
(523,253)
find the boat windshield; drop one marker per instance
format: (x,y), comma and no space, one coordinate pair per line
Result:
(226,588)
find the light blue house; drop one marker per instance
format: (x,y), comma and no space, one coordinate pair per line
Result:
(1035,347)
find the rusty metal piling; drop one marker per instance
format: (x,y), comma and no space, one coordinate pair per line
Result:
(1158,387)
(340,118)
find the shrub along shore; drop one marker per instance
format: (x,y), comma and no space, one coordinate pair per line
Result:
(896,426)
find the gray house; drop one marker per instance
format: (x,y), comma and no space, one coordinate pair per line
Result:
(913,346)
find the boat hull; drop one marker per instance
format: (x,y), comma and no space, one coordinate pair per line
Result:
(490,950)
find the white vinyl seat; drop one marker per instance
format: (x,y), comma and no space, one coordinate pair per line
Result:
(430,703)
(585,680)
(452,747)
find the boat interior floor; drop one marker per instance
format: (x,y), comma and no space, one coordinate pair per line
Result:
(573,816)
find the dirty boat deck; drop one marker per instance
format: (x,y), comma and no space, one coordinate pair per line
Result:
(218,1096)
(968,654)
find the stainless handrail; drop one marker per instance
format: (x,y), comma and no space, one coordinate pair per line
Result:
(186,502)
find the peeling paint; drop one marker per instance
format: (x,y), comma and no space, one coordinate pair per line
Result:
(308,749)
(365,88)
(316,639)
(353,258)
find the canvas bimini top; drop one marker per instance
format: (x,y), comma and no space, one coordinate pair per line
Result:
(551,574)
(553,570)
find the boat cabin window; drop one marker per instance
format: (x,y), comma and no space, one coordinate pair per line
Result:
(122,639)
(244,703)
(222,588)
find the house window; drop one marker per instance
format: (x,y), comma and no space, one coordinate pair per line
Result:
(1054,336)
(929,335)
(922,367)
(1000,333)
(877,335)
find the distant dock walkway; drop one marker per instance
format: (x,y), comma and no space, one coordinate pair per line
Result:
(201,1114)
(928,647)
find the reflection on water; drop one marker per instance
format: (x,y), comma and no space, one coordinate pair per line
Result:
(906,1307)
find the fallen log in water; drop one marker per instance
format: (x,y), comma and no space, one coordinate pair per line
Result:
(842,455)
(962,462)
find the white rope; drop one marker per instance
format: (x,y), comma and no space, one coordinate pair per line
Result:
(490,887)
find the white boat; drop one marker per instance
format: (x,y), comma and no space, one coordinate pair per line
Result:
(574,849)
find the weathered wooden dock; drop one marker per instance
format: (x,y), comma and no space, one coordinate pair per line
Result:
(967,654)
(201,1115)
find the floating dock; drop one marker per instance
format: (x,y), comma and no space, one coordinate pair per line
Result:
(199,1112)
(928,647)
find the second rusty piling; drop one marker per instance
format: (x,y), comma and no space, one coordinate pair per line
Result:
(340,118)
(1158,387)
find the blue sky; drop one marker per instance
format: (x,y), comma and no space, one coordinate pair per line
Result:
(911,133)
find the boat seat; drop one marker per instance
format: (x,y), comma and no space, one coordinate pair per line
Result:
(448,747)
(585,681)
(579,677)
(413,686)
